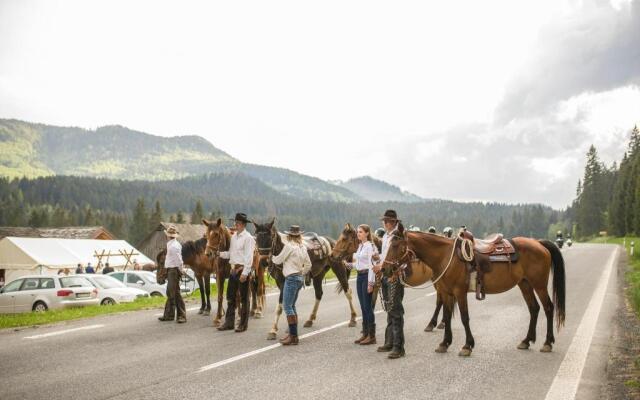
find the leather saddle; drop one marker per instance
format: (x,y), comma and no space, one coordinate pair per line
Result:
(495,246)
(316,247)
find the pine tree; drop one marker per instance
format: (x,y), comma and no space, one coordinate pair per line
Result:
(592,202)
(139,224)
(198,214)
(156,217)
(180,217)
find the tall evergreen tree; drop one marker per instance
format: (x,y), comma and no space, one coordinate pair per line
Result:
(198,214)
(140,223)
(156,217)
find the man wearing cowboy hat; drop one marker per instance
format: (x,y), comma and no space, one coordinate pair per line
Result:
(173,264)
(394,333)
(240,256)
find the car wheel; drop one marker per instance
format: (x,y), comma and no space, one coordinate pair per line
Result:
(108,302)
(156,294)
(40,306)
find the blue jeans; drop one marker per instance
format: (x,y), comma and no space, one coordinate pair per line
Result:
(366,301)
(292,286)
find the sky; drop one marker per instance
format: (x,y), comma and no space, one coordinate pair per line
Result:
(463,100)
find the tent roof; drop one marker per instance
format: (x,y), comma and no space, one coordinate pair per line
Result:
(21,253)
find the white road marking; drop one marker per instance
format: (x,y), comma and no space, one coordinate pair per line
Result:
(188,309)
(45,335)
(565,384)
(274,346)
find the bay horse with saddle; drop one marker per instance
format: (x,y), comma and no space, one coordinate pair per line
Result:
(464,264)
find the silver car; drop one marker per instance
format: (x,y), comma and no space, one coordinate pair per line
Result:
(40,293)
(112,291)
(146,281)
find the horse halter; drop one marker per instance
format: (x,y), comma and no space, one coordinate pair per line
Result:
(263,251)
(221,243)
(404,259)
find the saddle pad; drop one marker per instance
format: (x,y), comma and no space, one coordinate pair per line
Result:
(505,256)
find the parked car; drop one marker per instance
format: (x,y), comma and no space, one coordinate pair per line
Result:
(41,293)
(112,291)
(188,283)
(146,281)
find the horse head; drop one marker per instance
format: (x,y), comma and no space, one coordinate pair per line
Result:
(346,245)
(264,236)
(218,237)
(398,252)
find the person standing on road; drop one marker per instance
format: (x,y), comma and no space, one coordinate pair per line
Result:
(175,267)
(89,269)
(107,269)
(240,256)
(392,293)
(79,269)
(364,283)
(295,265)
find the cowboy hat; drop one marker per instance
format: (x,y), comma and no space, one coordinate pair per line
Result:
(241,217)
(390,215)
(172,232)
(294,231)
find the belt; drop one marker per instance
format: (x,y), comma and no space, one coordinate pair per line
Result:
(296,274)
(363,272)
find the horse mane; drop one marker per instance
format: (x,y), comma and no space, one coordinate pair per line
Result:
(430,236)
(192,248)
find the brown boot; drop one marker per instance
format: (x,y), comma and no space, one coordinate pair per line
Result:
(371,338)
(292,338)
(365,333)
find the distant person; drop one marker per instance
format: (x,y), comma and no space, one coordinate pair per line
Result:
(89,269)
(107,269)
(175,267)
(295,264)
(432,229)
(136,266)
(99,267)
(79,269)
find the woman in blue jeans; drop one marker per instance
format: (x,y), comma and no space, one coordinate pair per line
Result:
(295,264)
(362,261)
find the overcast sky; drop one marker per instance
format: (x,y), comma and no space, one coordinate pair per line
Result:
(464,100)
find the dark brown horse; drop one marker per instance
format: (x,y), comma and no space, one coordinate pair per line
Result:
(267,236)
(194,257)
(218,238)
(537,258)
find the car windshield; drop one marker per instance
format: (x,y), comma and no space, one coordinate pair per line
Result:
(74,281)
(106,282)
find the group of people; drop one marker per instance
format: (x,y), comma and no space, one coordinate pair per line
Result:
(296,264)
(89,269)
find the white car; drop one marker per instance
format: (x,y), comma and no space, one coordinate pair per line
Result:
(112,291)
(40,293)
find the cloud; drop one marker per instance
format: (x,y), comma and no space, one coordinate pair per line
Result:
(593,49)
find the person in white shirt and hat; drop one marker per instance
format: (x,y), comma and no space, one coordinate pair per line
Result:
(295,265)
(240,256)
(175,267)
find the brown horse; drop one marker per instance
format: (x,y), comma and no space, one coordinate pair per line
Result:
(193,256)
(267,236)
(537,258)
(218,238)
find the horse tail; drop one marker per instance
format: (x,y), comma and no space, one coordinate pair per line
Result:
(559,284)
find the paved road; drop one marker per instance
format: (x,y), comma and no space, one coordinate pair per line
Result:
(131,356)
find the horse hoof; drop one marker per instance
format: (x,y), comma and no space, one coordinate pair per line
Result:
(200,311)
(352,324)
(441,325)
(464,352)
(216,322)
(441,349)
(252,313)
(308,324)
(523,346)
(271,336)
(546,348)
(429,328)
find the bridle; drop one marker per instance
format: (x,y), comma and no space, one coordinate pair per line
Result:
(221,244)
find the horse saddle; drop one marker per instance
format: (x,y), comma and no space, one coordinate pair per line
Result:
(316,246)
(495,246)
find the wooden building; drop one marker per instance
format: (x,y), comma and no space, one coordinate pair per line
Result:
(156,240)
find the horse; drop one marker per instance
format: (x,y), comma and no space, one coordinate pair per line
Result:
(193,256)
(530,272)
(267,236)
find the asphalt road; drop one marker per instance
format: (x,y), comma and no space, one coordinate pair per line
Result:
(132,355)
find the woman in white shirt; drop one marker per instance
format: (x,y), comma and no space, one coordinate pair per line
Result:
(295,264)
(362,261)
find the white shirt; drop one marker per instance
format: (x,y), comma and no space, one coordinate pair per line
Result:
(294,259)
(363,260)
(174,254)
(241,251)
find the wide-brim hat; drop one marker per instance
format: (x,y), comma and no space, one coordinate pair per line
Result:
(172,232)
(294,231)
(390,215)
(242,217)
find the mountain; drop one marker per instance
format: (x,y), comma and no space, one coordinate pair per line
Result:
(116,152)
(377,190)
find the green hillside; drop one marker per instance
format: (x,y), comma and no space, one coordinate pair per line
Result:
(377,190)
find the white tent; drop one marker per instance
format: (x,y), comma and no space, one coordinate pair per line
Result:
(22,256)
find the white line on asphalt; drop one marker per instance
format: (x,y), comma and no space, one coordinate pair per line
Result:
(188,309)
(565,384)
(44,335)
(273,346)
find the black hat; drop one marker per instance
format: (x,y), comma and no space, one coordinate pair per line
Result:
(390,214)
(242,217)
(294,231)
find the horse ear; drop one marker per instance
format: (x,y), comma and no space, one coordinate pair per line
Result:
(204,221)
(400,228)
(273,221)
(347,227)
(219,222)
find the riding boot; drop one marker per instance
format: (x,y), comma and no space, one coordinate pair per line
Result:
(365,333)
(371,338)
(244,320)
(229,320)
(292,339)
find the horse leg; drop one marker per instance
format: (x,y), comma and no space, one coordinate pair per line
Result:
(343,280)
(207,291)
(202,295)
(254,296)
(469,343)
(220,312)
(547,304)
(274,329)
(448,304)
(262,298)
(434,319)
(534,309)
(317,287)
